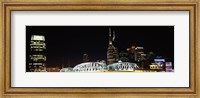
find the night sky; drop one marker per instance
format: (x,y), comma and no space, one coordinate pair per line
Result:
(67,44)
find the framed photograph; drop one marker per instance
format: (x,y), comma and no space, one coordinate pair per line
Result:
(99,47)
(109,49)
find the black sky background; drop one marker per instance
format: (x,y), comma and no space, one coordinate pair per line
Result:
(67,44)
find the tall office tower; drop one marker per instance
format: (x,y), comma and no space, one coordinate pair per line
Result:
(37,61)
(112,52)
(139,51)
(85,58)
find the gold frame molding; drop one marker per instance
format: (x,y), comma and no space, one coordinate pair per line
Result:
(120,5)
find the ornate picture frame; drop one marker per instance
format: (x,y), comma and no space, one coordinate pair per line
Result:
(119,5)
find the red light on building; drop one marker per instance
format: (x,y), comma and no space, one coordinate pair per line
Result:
(132,47)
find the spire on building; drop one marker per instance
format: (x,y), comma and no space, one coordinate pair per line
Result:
(113,36)
(109,32)
(110,37)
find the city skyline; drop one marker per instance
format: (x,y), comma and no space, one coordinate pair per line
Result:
(67,44)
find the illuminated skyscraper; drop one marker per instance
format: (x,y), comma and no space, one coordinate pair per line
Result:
(37,61)
(139,54)
(112,52)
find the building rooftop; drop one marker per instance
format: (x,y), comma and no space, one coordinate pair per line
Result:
(38,37)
